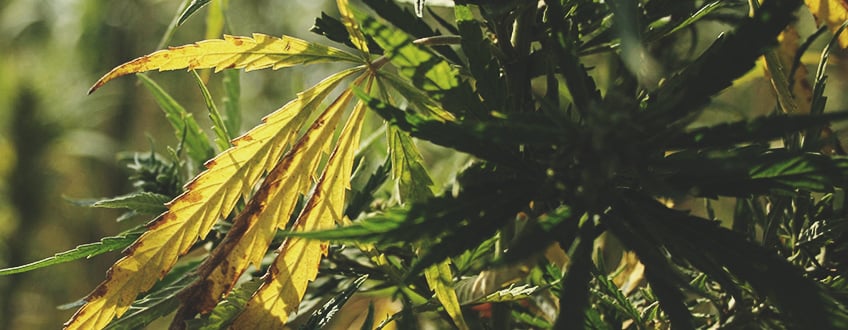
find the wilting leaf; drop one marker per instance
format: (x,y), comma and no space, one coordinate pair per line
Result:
(831,13)
(269,209)
(210,196)
(106,244)
(298,259)
(249,53)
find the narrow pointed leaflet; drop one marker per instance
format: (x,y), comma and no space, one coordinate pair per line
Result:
(259,52)
(297,263)
(352,27)
(270,208)
(210,196)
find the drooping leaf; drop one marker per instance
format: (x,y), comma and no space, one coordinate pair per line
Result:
(322,316)
(269,209)
(186,128)
(250,53)
(297,263)
(106,244)
(208,197)
(831,13)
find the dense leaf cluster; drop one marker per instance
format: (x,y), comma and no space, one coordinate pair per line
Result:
(580,120)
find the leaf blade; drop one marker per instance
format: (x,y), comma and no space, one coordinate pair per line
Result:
(297,263)
(249,53)
(211,195)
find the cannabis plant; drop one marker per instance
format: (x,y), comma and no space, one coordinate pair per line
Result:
(580,121)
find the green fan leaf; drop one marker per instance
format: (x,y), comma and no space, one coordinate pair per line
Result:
(186,128)
(106,244)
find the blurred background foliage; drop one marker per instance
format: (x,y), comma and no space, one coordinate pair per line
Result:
(57,144)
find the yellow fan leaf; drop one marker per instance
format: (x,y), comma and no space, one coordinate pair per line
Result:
(211,195)
(259,52)
(269,209)
(830,12)
(440,278)
(297,263)
(356,35)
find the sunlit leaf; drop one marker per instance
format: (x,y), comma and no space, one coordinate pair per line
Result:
(831,13)
(426,70)
(352,27)
(250,53)
(161,301)
(208,197)
(297,263)
(269,209)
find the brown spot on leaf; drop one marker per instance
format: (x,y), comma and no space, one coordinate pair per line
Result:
(238,41)
(192,198)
